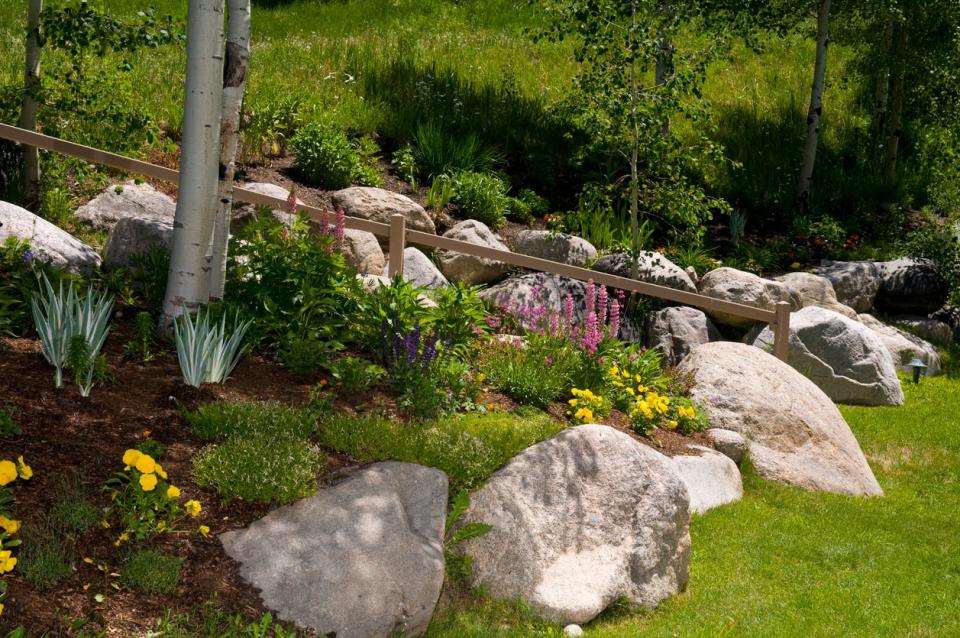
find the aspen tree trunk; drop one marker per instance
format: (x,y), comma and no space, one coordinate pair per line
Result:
(897,91)
(881,94)
(664,64)
(816,106)
(30,105)
(634,186)
(189,280)
(234,83)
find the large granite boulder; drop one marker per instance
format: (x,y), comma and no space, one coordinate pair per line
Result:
(47,242)
(133,235)
(580,521)
(122,201)
(360,559)
(545,244)
(469,268)
(745,288)
(949,316)
(796,435)
(910,286)
(524,293)
(712,478)
(814,290)
(855,282)
(731,444)
(418,269)
(379,205)
(904,347)
(675,331)
(362,251)
(843,357)
(243,213)
(653,268)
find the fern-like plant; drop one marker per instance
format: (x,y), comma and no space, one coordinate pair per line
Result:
(206,351)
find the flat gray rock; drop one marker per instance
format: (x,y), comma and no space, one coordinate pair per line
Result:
(675,331)
(580,521)
(855,282)
(910,286)
(904,347)
(560,247)
(47,241)
(471,269)
(243,213)
(843,357)
(796,435)
(133,235)
(419,270)
(362,558)
(652,267)
(537,289)
(927,328)
(122,201)
(745,288)
(379,205)
(363,252)
(712,478)
(729,443)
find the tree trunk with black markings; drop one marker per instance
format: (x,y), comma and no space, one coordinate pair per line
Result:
(30,105)
(816,106)
(897,95)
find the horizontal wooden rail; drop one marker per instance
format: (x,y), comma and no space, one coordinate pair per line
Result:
(399,236)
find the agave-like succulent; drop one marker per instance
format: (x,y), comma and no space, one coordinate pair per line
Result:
(205,350)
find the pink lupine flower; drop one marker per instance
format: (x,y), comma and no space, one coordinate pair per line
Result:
(602,306)
(568,312)
(591,297)
(614,318)
(338,230)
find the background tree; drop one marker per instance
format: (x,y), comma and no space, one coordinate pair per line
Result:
(815,111)
(31,104)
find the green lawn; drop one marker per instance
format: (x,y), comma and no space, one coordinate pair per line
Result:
(783,562)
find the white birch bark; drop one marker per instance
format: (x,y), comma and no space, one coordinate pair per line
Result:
(897,94)
(30,106)
(234,83)
(188,281)
(816,106)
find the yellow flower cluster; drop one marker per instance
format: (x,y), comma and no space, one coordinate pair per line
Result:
(585,406)
(10,471)
(149,470)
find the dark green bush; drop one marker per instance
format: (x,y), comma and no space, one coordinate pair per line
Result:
(438,152)
(534,373)
(326,156)
(481,196)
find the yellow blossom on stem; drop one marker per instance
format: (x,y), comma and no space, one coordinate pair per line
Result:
(204,530)
(193,508)
(8,472)
(7,562)
(9,525)
(130,457)
(26,472)
(173,492)
(145,464)
(160,471)
(148,482)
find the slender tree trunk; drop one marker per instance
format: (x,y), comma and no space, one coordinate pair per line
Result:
(664,64)
(634,152)
(234,83)
(897,91)
(189,280)
(30,105)
(882,91)
(816,106)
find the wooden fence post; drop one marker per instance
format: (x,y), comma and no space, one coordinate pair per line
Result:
(781,331)
(398,239)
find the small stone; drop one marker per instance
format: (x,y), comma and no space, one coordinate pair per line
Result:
(573,631)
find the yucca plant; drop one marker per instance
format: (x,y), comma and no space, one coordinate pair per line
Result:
(60,314)
(206,352)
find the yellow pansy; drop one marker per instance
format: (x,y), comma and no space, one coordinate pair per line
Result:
(572,402)
(145,464)
(9,525)
(672,425)
(8,472)
(7,562)
(148,482)
(130,457)
(105,524)
(160,471)
(26,472)
(688,412)
(193,508)
(630,391)
(204,530)
(584,414)
(173,492)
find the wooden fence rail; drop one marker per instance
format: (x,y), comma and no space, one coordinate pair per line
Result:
(399,237)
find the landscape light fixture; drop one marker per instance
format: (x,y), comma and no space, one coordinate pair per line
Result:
(918,368)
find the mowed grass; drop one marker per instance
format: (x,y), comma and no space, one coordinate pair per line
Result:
(784,562)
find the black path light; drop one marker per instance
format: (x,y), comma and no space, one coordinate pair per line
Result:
(918,368)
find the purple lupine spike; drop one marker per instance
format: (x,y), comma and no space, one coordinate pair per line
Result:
(430,350)
(602,306)
(621,295)
(615,319)
(325,222)
(568,312)
(591,297)
(413,344)
(590,334)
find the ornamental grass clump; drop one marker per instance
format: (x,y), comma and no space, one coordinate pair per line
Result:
(60,315)
(207,351)
(143,502)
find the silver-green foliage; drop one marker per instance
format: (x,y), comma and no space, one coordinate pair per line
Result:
(61,314)
(206,350)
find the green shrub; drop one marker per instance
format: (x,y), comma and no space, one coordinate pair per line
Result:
(73,513)
(43,561)
(151,572)
(532,374)
(355,374)
(263,467)
(440,193)
(438,152)
(269,125)
(537,205)
(226,419)
(8,427)
(406,165)
(149,269)
(325,156)
(481,196)
(303,356)
(459,316)
(468,448)
(939,243)
(152,448)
